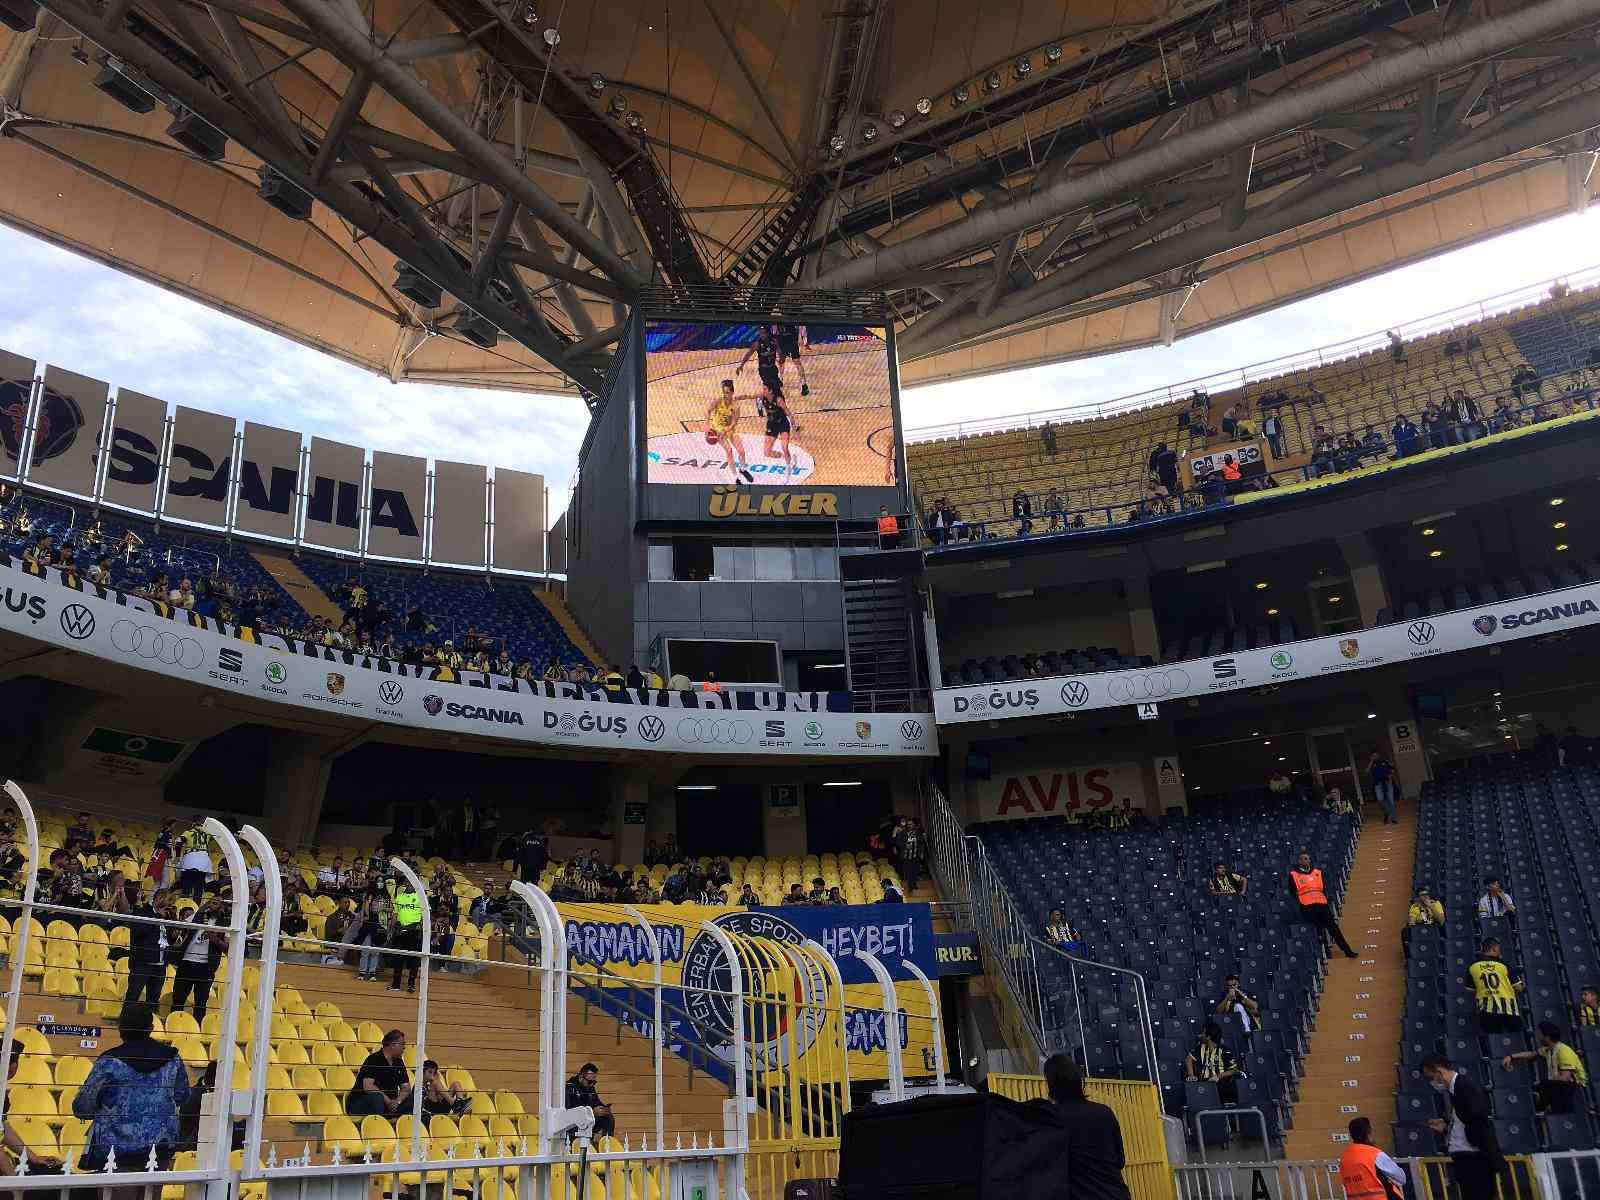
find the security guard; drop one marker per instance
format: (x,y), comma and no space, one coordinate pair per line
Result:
(1312,896)
(1495,986)
(407,936)
(1365,1171)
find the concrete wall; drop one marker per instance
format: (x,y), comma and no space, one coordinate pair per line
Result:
(1094,614)
(798,616)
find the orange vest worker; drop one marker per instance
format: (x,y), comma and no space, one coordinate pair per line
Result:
(1308,886)
(1358,1172)
(888,526)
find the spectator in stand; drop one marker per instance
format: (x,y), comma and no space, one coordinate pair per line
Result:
(747,896)
(532,857)
(1272,430)
(1280,783)
(340,927)
(383,1085)
(1573,748)
(1564,1074)
(441,1099)
(375,918)
(1226,882)
(910,851)
(198,958)
(1311,894)
(888,529)
(1589,1006)
(132,1096)
(1237,1001)
(891,894)
(1495,987)
(796,894)
(1464,412)
(1059,932)
(1496,901)
(1164,463)
(1435,427)
(1470,1137)
(1210,1061)
(1323,449)
(1425,911)
(194,867)
(1503,417)
(148,945)
(1385,786)
(836,897)
(331,879)
(80,836)
(12,862)
(635,677)
(1022,513)
(582,1091)
(1052,510)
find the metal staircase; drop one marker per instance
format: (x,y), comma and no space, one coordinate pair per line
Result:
(880,638)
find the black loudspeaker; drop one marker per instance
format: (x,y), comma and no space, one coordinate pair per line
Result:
(967,1147)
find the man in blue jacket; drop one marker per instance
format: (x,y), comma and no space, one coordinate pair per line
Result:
(132,1097)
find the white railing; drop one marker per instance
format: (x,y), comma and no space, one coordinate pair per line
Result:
(784,1056)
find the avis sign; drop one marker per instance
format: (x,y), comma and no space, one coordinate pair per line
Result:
(1058,792)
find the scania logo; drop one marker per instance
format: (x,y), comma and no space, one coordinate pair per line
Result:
(652,729)
(391,692)
(1485,624)
(1420,633)
(1074,693)
(911,730)
(77,622)
(432,705)
(715,731)
(157,645)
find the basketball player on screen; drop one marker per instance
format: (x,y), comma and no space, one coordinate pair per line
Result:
(722,421)
(779,427)
(766,350)
(789,351)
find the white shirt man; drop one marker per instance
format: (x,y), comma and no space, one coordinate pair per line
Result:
(199,949)
(195,860)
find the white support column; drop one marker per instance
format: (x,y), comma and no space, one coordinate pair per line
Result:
(891,1017)
(935,1015)
(266,985)
(403,869)
(658,1036)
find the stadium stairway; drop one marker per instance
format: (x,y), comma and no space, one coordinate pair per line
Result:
(569,625)
(294,581)
(1351,1056)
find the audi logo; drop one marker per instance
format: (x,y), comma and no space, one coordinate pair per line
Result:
(77,622)
(158,645)
(652,729)
(911,730)
(1420,633)
(1074,693)
(714,732)
(391,692)
(1152,685)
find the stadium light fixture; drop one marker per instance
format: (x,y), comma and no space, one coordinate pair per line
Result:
(284,196)
(1022,67)
(1262,586)
(1372,716)
(1280,758)
(416,287)
(619,104)
(869,132)
(1435,553)
(697,787)
(992,81)
(197,137)
(1272,612)
(960,96)
(123,90)
(1559,525)
(1334,599)
(1557,501)
(635,121)
(897,118)
(1497,695)
(924,105)
(836,144)
(1429,532)
(1267,743)
(478,330)
(552,38)
(1052,53)
(842,783)
(1562,546)
(597,83)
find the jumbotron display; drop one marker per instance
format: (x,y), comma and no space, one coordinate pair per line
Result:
(773,404)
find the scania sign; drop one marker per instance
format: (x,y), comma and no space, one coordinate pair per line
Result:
(1538,616)
(477,712)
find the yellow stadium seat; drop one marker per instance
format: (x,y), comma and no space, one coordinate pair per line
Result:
(341,1031)
(462,1076)
(39,1138)
(32,1070)
(307,1079)
(326,1054)
(285,1104)
(183,1022)
(326,1105)
(339,1079)
(292,1054)
(73,1136)
(355,1054)
(35,1041)
(327,1010)
(33,1102)
(505,1129)
(508,1104)
(278,1079)
(369,1033)
(339,1130)
(285,1028)
(71,1070)
(378,1133)
(475,1136)
(59,931)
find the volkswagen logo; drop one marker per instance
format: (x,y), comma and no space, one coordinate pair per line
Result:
(714,731)
(911,730)
(391,692)
(157,645)
(1074,693)
(77,622)
(1420,633)
(652,729)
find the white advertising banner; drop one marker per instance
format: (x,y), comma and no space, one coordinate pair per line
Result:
(399,501)
(518,520)
(16,392)
(269,481)
(66,431)
(200,464)
(460,513)
(1465,629)
(1081,791)
(137,424)
(130,631)
(333,495)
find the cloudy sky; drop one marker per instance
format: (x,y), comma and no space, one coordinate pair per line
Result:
(67,310)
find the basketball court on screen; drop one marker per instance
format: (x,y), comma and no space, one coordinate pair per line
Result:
(843,432)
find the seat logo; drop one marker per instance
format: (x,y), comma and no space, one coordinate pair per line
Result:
(1420,633)
(1074,693)
(652,729)
(77,622)
(391,692)
(158,645)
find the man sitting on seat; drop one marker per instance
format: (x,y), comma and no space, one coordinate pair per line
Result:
(383,1085)
(1211,1062)
(1564,1074)
(1495,901)
(582,1092)
(1224,882)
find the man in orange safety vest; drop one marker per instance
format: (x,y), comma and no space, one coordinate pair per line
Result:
(1312,896)
(1366,1172)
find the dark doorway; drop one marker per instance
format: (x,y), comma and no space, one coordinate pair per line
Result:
(719,819)
(843,818)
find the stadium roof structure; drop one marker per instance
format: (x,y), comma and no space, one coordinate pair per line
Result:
(476,191)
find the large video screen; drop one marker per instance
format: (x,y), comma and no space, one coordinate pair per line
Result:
(771,404)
